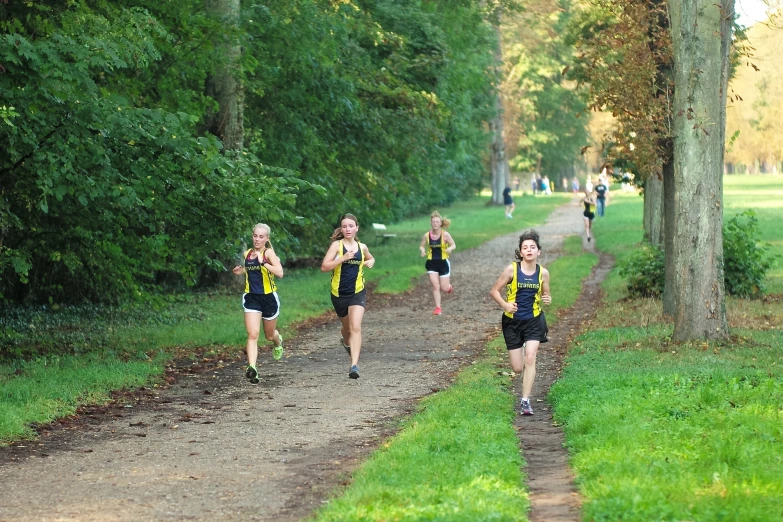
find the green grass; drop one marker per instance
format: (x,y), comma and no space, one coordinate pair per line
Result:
(458,457)
(100,349)
(674,432)
(662,431)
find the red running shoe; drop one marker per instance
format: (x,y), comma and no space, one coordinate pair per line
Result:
(437,311)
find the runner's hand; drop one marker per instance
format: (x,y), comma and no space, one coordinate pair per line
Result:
(510,307)
(237,270)
(546,299)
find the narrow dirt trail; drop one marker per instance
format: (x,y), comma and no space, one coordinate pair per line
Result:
(214,447)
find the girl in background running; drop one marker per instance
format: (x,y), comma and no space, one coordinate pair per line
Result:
(346,258)
(260,266)
(436,245)
(589,202)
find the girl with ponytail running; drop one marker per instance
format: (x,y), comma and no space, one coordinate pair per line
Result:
(436,245)
(346,259)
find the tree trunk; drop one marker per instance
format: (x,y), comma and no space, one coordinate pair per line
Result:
(498,161)
(669,295)
(701,35)
(223,84)
(653,210)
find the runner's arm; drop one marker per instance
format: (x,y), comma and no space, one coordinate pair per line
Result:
(273,263)
(369,261)
(504,279)
(331,260)
(546,297)
(423,244)
(450,242)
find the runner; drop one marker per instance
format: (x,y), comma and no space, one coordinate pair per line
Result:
(523,322)
(439,244)
(346,258)
(260,300)
(508,201)
(589,202)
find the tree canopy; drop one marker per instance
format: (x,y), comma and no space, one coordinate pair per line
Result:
(113,186)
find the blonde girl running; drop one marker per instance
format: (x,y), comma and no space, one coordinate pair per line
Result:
(436,245)
(260,266)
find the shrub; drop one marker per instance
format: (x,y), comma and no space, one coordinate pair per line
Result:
(644,271)
(746,260)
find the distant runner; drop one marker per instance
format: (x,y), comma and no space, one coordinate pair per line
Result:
(436,245)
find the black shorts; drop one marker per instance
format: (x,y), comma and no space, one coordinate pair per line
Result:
(268,305)
(508,201)
(589,215)
(442,267)
(516,332)
(341,304)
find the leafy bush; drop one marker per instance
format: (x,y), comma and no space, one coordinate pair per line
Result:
(746,260)
(644,270)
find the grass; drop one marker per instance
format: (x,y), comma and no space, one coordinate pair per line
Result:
(458,458)
(84,353)
(663,431)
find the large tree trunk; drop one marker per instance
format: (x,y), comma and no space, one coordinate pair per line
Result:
(653,210)
(223,84)
(669,295)
(498,160)
(701,35)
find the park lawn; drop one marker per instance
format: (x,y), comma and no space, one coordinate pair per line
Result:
(663,431)
(70,356)
(457,458)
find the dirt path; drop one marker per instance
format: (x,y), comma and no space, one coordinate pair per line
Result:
(213,447)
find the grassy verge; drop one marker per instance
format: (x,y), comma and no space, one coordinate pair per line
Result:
(70,356)
(458,457)
(693,431)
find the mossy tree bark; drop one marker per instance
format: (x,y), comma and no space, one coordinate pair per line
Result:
(701,33)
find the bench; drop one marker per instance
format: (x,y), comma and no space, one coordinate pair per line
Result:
(380,233)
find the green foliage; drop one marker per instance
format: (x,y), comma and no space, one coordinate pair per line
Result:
(644,271)
(103,199)
(746,260)
(111,188)
(551,132)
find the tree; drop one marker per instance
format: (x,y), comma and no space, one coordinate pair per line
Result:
(701,36)
(497,159)
(225,84)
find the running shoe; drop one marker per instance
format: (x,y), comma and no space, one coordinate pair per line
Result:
(252,374)
(588,239)
(437,311)
(345,346)
(451,289)
(526,408)
(353,373)
(277,351)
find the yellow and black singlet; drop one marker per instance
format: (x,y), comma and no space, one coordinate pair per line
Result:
(258,279)
(437,247)
(348,276)
(525,290)
(589,208)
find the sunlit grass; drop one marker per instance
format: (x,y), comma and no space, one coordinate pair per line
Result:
(662,431)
